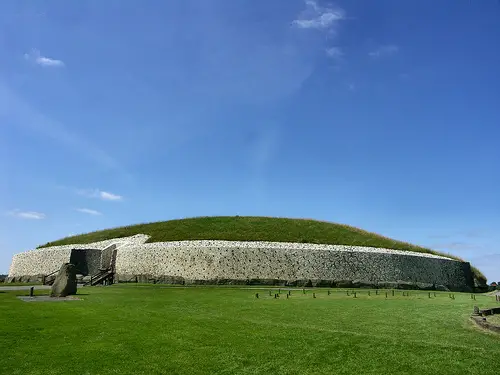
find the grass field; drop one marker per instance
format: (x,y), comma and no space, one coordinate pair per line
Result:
(127,329)
(249,228)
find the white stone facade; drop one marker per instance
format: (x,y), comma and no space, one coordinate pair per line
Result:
(211,261)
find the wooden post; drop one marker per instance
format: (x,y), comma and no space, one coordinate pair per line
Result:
(31,291)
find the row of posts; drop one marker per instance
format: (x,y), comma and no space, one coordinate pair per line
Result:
(354,294)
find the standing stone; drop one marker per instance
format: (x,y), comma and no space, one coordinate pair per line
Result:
(65,283)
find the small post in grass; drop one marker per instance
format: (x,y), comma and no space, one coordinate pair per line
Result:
(303,291)
(328,292)
(269,292)
(287,296)
(385,294)
(369,293)
(256,295)
(354,294)
(289,292)
(275,295)
(314,295)
(376,292)
(31,291)
(434,294)
(347,293)
(393,292)
(279,291)
(429,294)
(474,297)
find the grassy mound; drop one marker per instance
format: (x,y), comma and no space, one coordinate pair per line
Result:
(251,229)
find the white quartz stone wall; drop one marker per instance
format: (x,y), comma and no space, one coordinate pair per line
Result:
(214,260)
(48,259)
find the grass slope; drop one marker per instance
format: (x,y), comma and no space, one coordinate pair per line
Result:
(246,229)
(251,228)
(125,329)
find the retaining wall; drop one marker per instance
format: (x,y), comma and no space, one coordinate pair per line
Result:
(269,262)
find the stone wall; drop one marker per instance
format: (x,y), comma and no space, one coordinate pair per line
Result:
(39,262)
(276,263)
(48,259)
(289,263)
(86,261)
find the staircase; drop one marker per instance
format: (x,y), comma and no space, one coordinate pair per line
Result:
(50,278)
(104,277)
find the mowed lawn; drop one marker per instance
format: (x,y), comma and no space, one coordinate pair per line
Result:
(128,329)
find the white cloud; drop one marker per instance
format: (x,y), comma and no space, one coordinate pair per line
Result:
(35,56)
(334,52)
(384,51)
(89,211)
(109,196)
(96,193)
(31,215)
(318,17)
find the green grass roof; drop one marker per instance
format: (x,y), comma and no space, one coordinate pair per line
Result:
(246,228)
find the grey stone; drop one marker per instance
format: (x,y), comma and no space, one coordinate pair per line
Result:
(364,284)
(407,285)
(343,284)
(441,288)
(65,283)
(388,285)
(424,286)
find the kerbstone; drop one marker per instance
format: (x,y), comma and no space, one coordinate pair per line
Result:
(65,283)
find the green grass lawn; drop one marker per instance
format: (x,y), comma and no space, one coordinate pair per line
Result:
(127,329)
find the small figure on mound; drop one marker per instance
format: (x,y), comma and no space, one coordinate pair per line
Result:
(65,283)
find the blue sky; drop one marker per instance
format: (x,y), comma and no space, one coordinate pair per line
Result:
(383,115)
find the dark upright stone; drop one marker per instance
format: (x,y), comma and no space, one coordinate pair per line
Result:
(65,283)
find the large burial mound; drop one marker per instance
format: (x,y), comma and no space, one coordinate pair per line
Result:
(257,250)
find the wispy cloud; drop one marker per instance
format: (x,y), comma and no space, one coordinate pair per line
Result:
(45,61)
(96,193)
(384,51)
(89,211)
(335,53)
(319,17)
(30,215)
(23,115)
